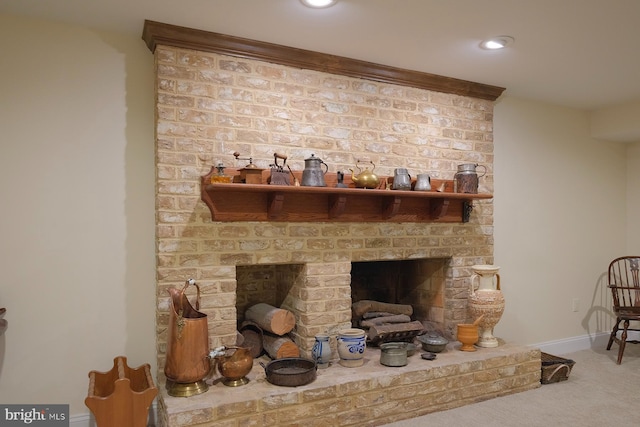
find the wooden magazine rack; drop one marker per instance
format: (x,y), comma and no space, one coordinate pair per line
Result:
(122,396)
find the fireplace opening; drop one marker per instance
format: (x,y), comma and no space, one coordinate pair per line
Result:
(419,283)
(264,283)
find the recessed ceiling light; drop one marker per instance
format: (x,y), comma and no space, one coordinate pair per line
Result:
(498,42)
(318,3)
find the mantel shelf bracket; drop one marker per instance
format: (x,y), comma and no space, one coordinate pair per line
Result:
(276,201)
(205,196)
(337,205)
(438,208)
(467,207)
(391,206)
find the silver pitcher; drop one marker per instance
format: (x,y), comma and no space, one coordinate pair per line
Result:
(401,179)
(423,182)
(313,175)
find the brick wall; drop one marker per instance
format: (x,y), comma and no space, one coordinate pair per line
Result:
(209,106)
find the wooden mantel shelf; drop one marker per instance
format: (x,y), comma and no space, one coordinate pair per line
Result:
(264,202)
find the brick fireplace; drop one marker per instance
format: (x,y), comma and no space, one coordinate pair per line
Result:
(214,101)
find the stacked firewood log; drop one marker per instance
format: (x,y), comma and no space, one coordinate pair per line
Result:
(385,321)
(266,329)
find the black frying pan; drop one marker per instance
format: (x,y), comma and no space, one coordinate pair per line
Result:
(290,371)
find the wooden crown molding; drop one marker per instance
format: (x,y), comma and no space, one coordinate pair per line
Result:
(157,33)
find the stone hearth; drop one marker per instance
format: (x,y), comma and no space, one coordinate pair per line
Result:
(366,396)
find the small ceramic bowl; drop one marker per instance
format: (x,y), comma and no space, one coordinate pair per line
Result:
(433,343)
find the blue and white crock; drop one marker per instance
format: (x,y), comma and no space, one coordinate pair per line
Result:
(351,345)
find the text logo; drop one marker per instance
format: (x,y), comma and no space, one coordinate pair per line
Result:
(34,415)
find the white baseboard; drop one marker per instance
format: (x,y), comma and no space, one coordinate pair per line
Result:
(83,420)
(584,342)
(87,420)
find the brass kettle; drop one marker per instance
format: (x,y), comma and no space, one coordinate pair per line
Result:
(365,178)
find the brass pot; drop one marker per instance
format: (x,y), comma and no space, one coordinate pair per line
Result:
(234,365)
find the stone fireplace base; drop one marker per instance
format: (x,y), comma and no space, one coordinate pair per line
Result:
(369,395)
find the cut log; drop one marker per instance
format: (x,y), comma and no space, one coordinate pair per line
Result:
(372,314)
(252,337)
(395,331)
(278,347)
(361,307)
(272,319)
(398,318)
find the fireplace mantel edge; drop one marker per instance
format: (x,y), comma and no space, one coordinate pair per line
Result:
(157,33)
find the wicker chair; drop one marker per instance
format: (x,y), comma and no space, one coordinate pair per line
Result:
(625,287)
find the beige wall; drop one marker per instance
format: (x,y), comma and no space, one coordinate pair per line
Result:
(77,188)
(560,217)
(76,181)
(616,123)
(633,199)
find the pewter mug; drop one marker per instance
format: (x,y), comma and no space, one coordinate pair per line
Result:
(401,179)
(423,182)
(313,175)
(467,178)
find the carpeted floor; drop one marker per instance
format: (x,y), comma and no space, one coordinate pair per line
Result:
(598,393)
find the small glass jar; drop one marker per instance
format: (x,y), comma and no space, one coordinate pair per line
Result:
(220,177)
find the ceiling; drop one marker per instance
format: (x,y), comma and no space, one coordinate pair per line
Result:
(577,53)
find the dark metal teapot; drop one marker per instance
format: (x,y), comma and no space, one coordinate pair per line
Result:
(313,175)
